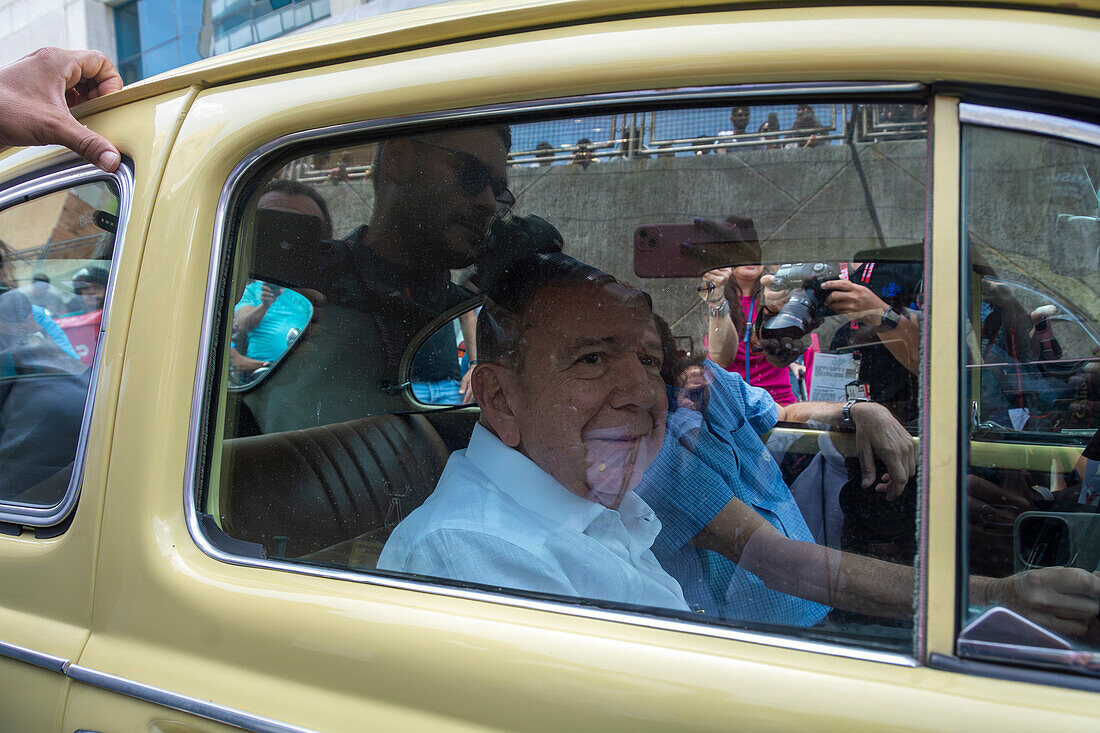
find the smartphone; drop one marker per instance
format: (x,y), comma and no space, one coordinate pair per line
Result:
(688,250)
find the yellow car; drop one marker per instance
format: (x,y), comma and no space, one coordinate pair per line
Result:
(299,432)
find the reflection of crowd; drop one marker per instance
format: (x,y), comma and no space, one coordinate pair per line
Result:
(43,386)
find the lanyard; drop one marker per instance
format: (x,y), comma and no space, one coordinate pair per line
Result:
(748,335)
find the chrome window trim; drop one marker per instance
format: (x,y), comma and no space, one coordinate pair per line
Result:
(588,103)
(182,703)
(32,657)
(123,178)
(148,693)
(1031,122)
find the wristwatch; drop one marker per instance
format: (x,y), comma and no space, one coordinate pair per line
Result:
(717,311)
(891,318)
(846,412)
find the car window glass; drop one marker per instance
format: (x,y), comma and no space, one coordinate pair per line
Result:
(56,250)
(1032,310)
(597,281)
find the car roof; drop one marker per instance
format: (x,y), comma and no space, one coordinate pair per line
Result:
(439,23)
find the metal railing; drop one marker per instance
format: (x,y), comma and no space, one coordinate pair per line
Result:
(642,135)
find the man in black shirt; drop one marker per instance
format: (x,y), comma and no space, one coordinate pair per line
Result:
(435,196)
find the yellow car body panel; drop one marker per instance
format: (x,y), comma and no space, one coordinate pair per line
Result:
(331,655)
(434,25)
(47,602)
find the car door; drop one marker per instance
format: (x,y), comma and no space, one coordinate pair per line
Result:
(51,443)
(248,592)
(68,267)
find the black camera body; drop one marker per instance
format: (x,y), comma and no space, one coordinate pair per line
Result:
(806,306)
(511,240)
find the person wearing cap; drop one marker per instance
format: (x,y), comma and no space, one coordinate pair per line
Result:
(90,283)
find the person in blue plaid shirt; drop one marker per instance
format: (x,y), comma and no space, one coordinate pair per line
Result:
(713,454)
(733,537)
(687,494)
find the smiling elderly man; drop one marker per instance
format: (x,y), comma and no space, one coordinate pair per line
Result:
(573,410)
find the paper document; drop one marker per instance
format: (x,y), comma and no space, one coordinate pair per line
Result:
(831,373)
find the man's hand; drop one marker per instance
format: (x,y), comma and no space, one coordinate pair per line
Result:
(713,287)
(466,388)
(857,302)
(245,364)
(879,434)
(1064,600)
(35,95)
(268,295)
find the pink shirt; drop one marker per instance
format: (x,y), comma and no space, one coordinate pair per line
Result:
(761,373)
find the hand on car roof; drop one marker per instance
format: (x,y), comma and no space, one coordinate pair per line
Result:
(35,95)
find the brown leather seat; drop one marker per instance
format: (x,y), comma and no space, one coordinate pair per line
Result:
(301,491)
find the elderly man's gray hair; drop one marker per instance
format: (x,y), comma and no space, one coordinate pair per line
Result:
(501,321)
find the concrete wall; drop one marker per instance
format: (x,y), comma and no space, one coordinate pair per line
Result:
(825,203)
(1018,186)
(806,204)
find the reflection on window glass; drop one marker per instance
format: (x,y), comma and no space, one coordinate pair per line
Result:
(1032,382)
(55,253)
(550,358)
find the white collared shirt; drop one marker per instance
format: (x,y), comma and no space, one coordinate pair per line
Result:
(498,519)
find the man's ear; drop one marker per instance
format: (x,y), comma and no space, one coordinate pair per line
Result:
(491,384)
(398,160)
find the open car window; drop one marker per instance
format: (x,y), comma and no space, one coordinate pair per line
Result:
(613,460)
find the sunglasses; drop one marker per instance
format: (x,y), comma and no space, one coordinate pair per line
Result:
(473,175)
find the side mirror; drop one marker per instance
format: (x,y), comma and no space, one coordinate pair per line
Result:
(258,352)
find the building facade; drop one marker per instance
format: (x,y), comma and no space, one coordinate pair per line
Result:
(147,37)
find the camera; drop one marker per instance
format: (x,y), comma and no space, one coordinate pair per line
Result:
(806,305)
(512,239)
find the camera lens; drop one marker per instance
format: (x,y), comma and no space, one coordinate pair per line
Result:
(794,320)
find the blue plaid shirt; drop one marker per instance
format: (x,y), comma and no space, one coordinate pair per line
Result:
(708,458)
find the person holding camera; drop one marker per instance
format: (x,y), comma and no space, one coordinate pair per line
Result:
(879,299)
(736,299)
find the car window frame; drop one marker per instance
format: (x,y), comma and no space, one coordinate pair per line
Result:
(33,187)
(1002,660)
(205,432)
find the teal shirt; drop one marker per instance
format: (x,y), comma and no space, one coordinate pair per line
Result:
(290,312)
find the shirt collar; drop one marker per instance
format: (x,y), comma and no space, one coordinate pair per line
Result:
(517,476)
